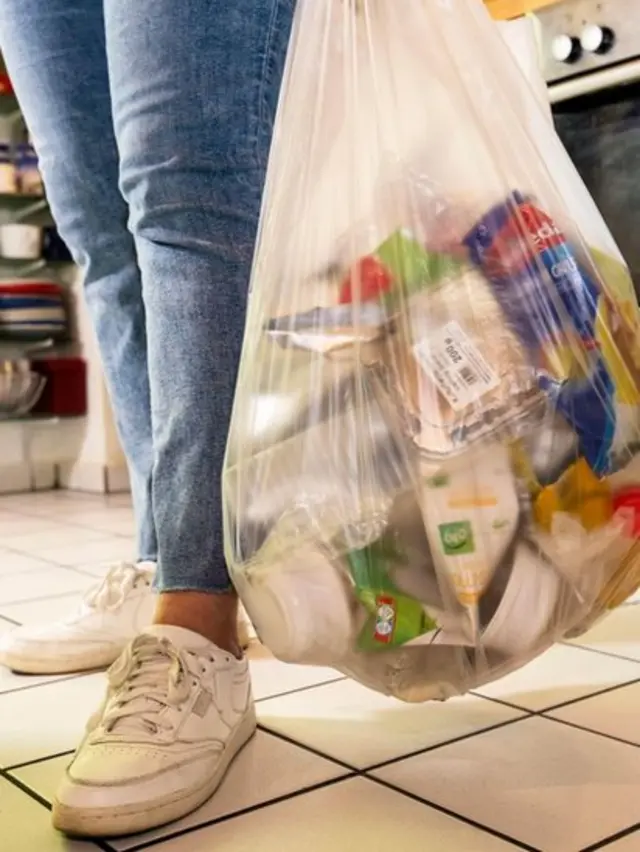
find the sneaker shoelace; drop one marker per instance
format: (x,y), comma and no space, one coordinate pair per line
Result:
(109,595)
(151,676)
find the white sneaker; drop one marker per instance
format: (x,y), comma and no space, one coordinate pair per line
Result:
(177,711)
(109,617)
(111,614)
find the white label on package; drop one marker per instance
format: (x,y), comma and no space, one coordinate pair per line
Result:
(455,365)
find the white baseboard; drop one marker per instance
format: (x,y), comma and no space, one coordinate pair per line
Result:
(23,477)
(15,478)
(44,476)
(93,477)
(118,480)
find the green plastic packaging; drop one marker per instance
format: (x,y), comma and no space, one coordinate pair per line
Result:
(394,617)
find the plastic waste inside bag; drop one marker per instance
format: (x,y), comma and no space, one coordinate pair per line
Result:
(432,472)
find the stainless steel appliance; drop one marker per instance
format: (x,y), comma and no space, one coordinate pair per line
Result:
(591,61)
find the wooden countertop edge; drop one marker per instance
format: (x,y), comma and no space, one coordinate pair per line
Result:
(503,10)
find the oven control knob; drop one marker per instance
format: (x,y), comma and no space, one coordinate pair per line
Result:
(566,48)
(595,39)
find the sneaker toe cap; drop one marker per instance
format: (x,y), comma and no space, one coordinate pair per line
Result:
(114,790)
(113,765)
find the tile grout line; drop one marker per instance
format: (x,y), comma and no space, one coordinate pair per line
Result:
(36,600)
(45,597)
(574,644)
(24,788)
(577,727)
(434,747)
(613,838)
(27,573)
(542,714)
(82,572)
(320,786)
(19,552)
(350,775)
(570,702)
(349,767)
(56,515)
(518,844)
(390,761)
(308,688)
(46,563)
(265,729)
(525,713)
(287,739)
(64,678)
(102,535)
(259,806)
(501,701)
(52,679)
(102,539)
(27,763)
(605,691)
(353,772)
(36,797)
(363,774)
(604,736)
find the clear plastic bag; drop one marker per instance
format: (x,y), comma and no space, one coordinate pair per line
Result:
(431,473)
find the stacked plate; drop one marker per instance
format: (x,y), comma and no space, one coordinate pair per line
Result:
(20,388)
(32,309)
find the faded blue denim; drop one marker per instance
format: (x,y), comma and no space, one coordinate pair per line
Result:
(152,120)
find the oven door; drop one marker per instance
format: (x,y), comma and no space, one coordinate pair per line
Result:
(601,131)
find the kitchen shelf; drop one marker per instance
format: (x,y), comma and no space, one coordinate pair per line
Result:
(14,348)
(9,106)
(10,268)
(17,348)
(21,199)
(33,445)
(41,419)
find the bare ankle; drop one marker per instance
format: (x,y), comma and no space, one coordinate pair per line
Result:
(212,615)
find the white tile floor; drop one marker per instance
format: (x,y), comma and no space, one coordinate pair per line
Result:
(545,760)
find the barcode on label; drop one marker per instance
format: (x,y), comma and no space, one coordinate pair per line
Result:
(456,365)
(468,376)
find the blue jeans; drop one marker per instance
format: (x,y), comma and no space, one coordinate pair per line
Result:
(152,120)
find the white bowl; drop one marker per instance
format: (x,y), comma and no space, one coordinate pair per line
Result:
(20,242)
(300,607)
(528,605)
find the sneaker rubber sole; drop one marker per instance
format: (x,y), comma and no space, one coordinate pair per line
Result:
(31,664)
(143,816)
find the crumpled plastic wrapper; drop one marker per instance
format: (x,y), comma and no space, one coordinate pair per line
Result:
(458,370)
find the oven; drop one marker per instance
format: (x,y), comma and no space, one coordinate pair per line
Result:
(591,59)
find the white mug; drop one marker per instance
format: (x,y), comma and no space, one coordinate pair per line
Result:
(20,242)
(525,615)
(300,605)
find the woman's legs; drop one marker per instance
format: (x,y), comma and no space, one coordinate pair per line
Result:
(194,88)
